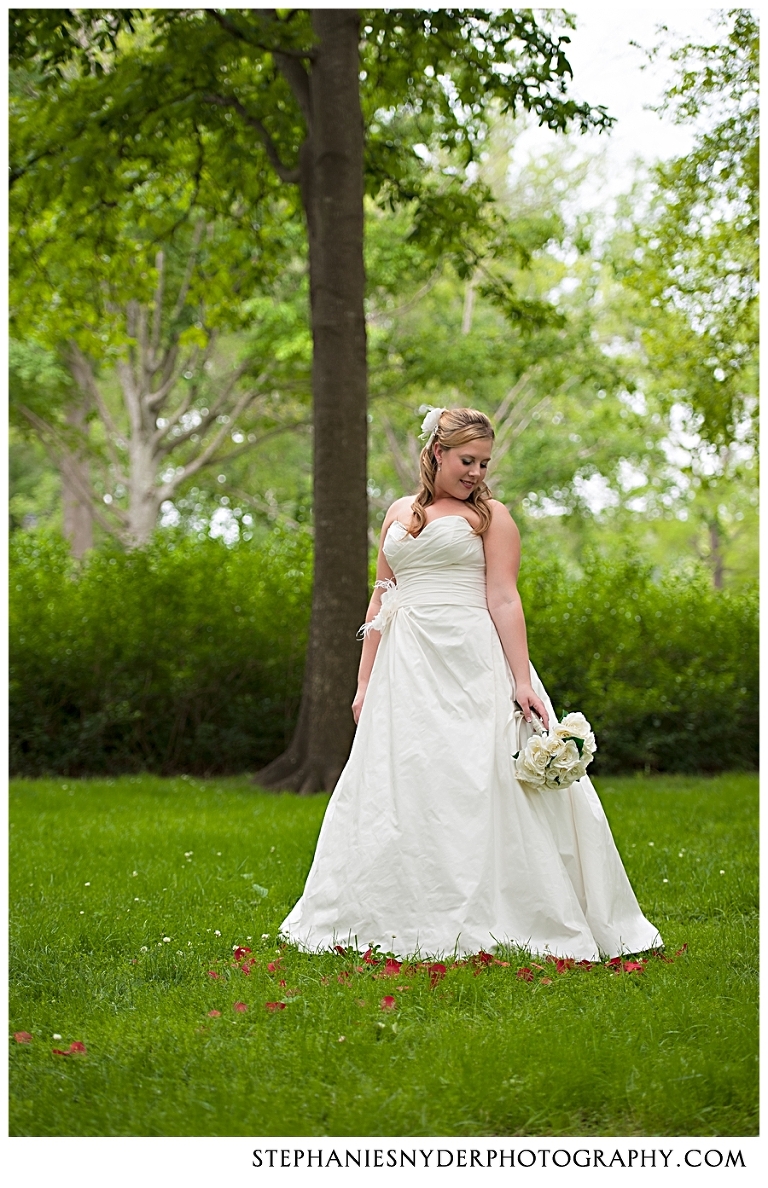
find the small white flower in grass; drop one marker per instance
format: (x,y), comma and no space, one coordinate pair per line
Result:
(665,880)
(218,853)
(681,853)
(271,849)
(249,938)
(82,913)
(188,853)
(265,936)
(342,1038)
(651,843)
(87,884)
(144,949)
(135,873)
(179,953)
(166,940)
(135,899)
(55,1035)
(216,932)
(722,872)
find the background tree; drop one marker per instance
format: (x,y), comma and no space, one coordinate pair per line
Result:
(288,84)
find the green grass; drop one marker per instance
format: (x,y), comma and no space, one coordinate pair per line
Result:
(102,871)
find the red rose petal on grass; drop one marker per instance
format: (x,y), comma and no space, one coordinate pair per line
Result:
(22,1037)
(614,962)
(212,974)
(239,1006)
(392,967)
(388,1003)
(535,966)
(583,964)
(369,958)
(339,949)
(359,969)
(525,974)
(275,966)
(214,1014)
(546,981)
(76,1048)
(274,1006)
(684,949)
(282,982)
(633,966)
(563,964)
(436,972)
(240,952)
(58,1052)
(485,958)
(343,977)
(245,967)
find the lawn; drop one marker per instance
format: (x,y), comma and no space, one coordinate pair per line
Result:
(129,895)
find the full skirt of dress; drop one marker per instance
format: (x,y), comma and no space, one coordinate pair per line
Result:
(430,846)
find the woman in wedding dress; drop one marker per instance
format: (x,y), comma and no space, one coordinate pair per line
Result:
(430,846)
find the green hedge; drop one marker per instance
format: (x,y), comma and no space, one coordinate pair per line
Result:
(665,668)
(188,656)
(184,656)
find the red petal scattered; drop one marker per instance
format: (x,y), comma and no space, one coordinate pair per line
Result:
(214,1014)
(213,974)
(245,967)
(369,958)
(240,952)
(275,1006)
(504,963)
(239,1006)
(525,974)
(273,966)
(583,964)
(392,968)
(683,950)
(633,966)
(535,966)
(325,981)
(339,949)
(344,976)
(290,993)
(436,972)
(546,981)
(58,1052)
(485,958)
(359,969)
(76,1048)
(282,982)
(563,964)
(388,1003)
(614,962)
(22,1037)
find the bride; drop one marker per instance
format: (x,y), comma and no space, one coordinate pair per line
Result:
(429,845)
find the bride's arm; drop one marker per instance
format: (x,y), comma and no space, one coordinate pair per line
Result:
(372,639)
(502,564)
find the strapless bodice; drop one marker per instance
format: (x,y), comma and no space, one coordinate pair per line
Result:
(443,566)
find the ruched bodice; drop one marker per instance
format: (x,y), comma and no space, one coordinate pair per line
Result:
(443,566)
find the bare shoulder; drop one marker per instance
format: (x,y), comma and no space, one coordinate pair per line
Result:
(399,510)
(502,524)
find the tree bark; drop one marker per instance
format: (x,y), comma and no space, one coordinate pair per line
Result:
(77,509)
(331,166)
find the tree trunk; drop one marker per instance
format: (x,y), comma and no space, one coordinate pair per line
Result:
(332,193)
(716,555)
(77,509)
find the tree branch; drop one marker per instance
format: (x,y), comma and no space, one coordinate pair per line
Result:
(235,31)
(285,174)
(190,268)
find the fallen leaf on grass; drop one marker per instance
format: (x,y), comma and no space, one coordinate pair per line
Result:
(274,1006)
(22,1037)
(388,1003)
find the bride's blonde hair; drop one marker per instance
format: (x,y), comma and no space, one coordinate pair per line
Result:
(455,427)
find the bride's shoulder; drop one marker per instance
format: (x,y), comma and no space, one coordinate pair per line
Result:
(399,510)
(502,526)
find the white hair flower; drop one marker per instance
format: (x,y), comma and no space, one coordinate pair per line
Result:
(429,424)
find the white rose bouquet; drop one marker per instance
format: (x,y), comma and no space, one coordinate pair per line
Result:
(556,759)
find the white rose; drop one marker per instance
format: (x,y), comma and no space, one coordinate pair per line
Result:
(575,725)
(567,758)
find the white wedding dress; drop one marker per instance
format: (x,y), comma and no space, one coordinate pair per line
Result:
(429,845)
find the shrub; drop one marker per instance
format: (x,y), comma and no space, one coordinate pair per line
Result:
(183,656)
(188,656)
(666,670)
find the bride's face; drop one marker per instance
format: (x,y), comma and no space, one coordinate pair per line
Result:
(462,469)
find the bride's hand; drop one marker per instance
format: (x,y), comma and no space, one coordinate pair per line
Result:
(530,703)
(357,704)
